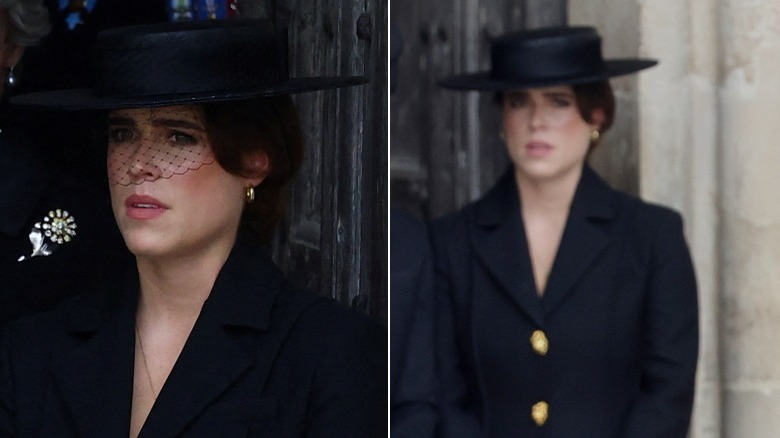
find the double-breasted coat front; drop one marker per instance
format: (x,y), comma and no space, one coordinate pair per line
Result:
(263,359)
(609,349)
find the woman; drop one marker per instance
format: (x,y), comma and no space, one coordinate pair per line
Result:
(204,337)
(566,308)
(37,274)
(22,24)
(413,385)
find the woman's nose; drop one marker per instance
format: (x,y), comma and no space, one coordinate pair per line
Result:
(144,162)
(536,117)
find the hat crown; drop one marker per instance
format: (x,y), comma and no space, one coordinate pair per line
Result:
(543,58)
(183,63)
(546,54)
(187,57)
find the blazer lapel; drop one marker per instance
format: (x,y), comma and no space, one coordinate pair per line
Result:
(95,373)
(207,366)
(213,357)
(499,241)
(586,235)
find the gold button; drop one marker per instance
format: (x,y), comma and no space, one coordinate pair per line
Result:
(539,342)
(539,412)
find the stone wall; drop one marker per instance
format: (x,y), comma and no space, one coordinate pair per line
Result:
(707,124)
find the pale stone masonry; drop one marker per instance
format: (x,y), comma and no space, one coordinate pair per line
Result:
(707,131)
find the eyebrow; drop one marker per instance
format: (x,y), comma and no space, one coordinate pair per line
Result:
(559,94)
(163,122)
(551,93)
(178,123)
(516,93)
(121,121)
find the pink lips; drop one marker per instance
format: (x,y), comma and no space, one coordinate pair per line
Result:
(538,149)
(144,207)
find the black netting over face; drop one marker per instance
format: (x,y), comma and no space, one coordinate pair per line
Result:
(145,144)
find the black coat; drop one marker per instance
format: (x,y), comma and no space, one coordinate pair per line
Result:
(34,182)
(412,370)
(263,359)
(619,312)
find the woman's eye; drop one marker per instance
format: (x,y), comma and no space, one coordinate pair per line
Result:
(120,135)
(517,101)
(182,139)
(561,102)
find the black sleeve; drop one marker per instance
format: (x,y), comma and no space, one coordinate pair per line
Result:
(670,343)
(413,408)
(349,392)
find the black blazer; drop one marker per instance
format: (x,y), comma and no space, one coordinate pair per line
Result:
(31,187)
(619,312)
(263,359)
(412,369)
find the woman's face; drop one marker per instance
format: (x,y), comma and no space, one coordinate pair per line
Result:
(169,194)
(546,136)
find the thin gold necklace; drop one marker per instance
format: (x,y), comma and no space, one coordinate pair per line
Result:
(146,366)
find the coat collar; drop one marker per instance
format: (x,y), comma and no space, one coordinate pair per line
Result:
(500,241)
(96,375)
(230,303)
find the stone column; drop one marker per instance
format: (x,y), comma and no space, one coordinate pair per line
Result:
(680,144)
(671,123)
(750,216)
(708,124)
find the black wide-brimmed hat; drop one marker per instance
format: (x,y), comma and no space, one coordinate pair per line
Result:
(183,63)
(545,57)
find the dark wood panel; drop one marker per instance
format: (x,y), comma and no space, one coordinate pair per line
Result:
(334,238)
(445,149)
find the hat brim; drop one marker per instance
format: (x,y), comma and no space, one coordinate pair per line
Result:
(86,99)
(483,81)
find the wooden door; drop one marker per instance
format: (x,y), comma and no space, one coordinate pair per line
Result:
(445,149)
(334,238)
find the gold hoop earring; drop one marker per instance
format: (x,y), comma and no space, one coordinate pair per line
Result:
(250,195)
(595,135)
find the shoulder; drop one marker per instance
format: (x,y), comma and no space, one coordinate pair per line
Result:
(329,324)
(598,203)
(453,221)
(596,200)
(500,203)
(409,243)
(406,226)
(44,325)
(449,237)
(453,227)
(651,232)
(94,299)
(327,339)
(29,344)
(648,217)
(339,359)
(342,350)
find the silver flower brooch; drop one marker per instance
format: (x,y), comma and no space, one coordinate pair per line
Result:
(57,228)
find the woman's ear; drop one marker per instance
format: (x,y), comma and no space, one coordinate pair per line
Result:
(15,52)
(597,118)
(257,166)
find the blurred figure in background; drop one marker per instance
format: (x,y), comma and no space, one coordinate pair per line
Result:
(412,378)
(36,188)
